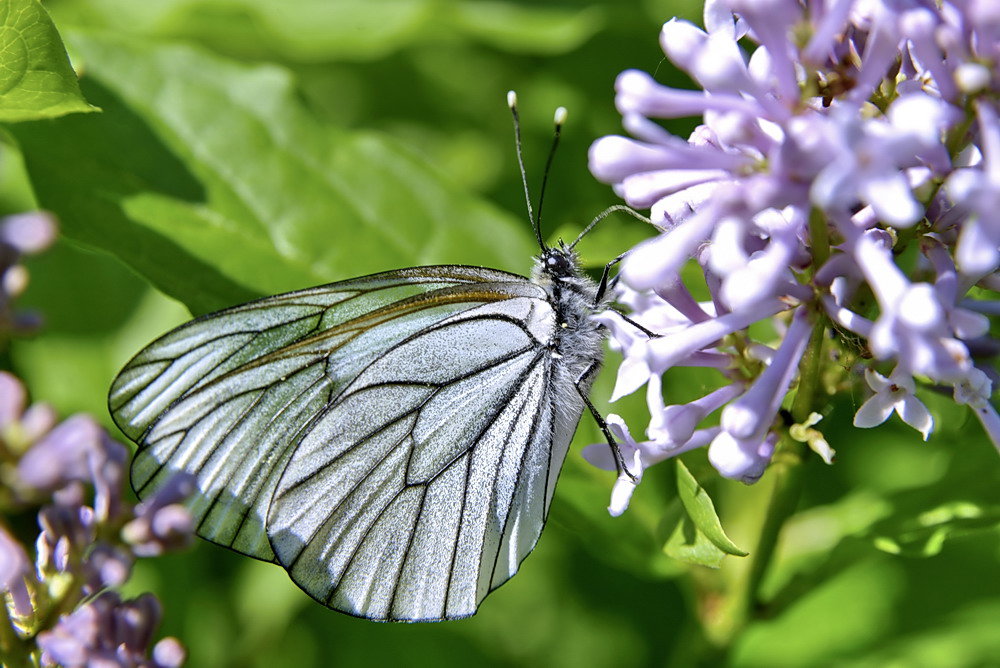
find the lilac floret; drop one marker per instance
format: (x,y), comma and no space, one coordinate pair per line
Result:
(162,523)
(69,452)
(168,653)
(15,572)
(109,631)
(28,232)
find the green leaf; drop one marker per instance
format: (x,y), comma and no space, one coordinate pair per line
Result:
(836,621)
(701,510)
(304,30)
(309,31)
(213,181)
(925,534)
(36,79)
(691,546)
(528,29)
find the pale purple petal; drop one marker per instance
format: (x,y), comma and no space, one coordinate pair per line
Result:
(890,196)
(28,232)
(169,653)
(13,399)
(15,570)
(633,373)
(750,416)
(739,459)
(920,309)
(624,486)
(915,414)
(64,454)
(990,420)
(874,411)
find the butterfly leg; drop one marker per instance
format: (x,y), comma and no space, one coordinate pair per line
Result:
(648,332)
(602,287)
(602,424)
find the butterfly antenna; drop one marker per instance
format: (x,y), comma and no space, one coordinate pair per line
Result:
(604,214)
(558,120)
(512,103)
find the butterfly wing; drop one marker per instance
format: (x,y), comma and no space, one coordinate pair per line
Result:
(392,440)
(427,482)
(226,397)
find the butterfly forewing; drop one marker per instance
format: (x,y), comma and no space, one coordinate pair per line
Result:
(227,396)
(393,441)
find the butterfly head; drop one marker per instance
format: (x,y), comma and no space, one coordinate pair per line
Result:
(558,262)
(558,271)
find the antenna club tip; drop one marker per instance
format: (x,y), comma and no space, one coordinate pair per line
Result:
(511,99)
(560,116)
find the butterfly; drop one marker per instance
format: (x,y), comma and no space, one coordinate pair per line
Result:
(393,441)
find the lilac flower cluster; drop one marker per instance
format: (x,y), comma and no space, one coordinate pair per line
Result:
(843,186)
(60,610)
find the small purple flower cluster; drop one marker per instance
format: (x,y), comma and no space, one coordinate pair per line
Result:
(845,179)
(21,234)
(60,610)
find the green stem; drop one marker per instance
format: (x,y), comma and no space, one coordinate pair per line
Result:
(786,473)
(14,651)
(819,237)
(743,603)
(810,369)
(6,363)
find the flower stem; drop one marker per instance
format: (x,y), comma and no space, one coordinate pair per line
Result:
(819,236)
(743,600)
(810,371)
(786,487)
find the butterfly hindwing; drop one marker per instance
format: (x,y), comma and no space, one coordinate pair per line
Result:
(431,502)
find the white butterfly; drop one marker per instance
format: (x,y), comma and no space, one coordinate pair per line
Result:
(393,441)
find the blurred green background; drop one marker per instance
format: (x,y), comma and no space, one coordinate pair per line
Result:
(248,147)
